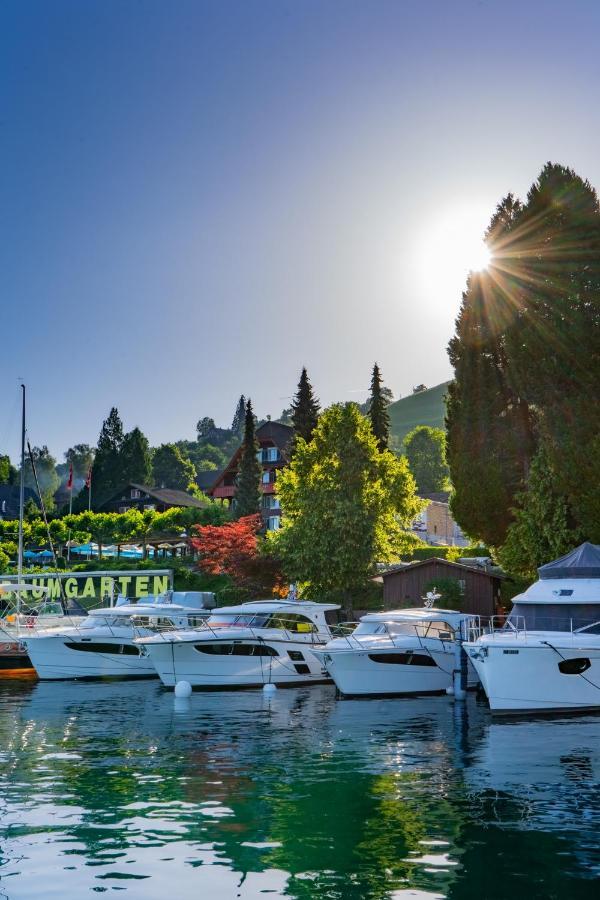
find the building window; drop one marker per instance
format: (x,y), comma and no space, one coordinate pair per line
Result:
(123,509)
(149,506)
(273,523)
(135,494)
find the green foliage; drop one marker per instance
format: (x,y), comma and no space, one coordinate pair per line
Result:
(81,457)
(45,467)
(526,357)
(135,458)
(451,593)
(425,449)
(378,412)
(423,408)
(171,469)
(542,527)
(247,495)
(345,504)
(107,474)
(4,560)
(8,473)
(204,455)
(305,409)
(438,551)
(237,426)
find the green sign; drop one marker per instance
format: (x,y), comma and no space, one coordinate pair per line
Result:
(97,585)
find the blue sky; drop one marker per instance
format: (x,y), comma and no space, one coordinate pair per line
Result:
(198,198)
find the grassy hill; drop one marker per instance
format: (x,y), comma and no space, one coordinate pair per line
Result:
(425,408)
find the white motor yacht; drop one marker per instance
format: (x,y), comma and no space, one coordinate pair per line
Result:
(546,656)
(403,651)
(265,641)
(27,617)
(102,645)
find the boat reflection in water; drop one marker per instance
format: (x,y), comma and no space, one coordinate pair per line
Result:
(293,794)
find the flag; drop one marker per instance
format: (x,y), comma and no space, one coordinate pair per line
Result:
(70,481)
(88,478)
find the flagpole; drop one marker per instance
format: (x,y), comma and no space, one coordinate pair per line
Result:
(70,509)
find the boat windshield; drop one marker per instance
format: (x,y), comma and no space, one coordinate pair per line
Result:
(555,617)
(101,620)
(238,620)
(440,630)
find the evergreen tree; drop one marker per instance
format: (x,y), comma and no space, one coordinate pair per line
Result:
(237,426)
(305,409)
(543,527)
(107,475)
(378,413)
(171,469)
(489,429)
(247,495)
(135,458)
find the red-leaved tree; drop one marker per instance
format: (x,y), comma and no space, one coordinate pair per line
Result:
(237,550)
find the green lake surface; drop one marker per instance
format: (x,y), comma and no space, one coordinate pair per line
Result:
(108,787)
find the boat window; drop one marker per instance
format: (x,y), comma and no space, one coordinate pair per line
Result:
(574,666)
(291,622)
(440,630)
(99,647)
(555,617)
(238,620)
(222,648)
(403,659)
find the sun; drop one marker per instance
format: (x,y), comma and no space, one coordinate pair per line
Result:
(450,246)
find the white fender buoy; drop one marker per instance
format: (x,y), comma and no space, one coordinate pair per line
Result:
(269,688)
(183,689)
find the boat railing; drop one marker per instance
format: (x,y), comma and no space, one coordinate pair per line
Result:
(498,627)
(372,640)
(316,635)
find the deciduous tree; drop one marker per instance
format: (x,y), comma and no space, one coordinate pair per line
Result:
(171,469)
(345,504)
(425,449)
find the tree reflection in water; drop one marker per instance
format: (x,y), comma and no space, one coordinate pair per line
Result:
(299,794)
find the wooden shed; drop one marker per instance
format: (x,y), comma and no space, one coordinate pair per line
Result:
(405,586)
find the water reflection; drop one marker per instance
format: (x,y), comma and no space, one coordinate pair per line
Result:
(115,786)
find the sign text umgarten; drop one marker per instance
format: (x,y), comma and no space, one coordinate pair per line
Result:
(96,585)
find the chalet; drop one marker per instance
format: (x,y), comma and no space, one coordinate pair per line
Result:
(9,500)
(141,497)
(274,440)
(407,584)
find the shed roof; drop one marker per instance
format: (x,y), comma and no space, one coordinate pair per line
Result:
(418,564)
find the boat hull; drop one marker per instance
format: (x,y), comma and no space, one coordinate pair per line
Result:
(356,673)
(524,678)
(181,661)
(60,658)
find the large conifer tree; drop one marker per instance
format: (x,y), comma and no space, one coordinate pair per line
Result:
(378,412)
(247,495)
(135,458)
(237,426)
(107,475)
(305,409)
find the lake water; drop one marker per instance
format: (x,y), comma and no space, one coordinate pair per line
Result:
(109,787)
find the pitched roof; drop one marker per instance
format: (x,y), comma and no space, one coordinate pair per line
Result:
(405,567)
(280,434)
(206,479)
(170,496)
(9,500)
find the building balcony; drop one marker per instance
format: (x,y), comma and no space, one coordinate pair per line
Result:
(223,491)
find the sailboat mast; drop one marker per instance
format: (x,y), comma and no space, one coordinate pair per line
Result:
(21,503)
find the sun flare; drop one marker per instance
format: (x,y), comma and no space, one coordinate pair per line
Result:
(452,246)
